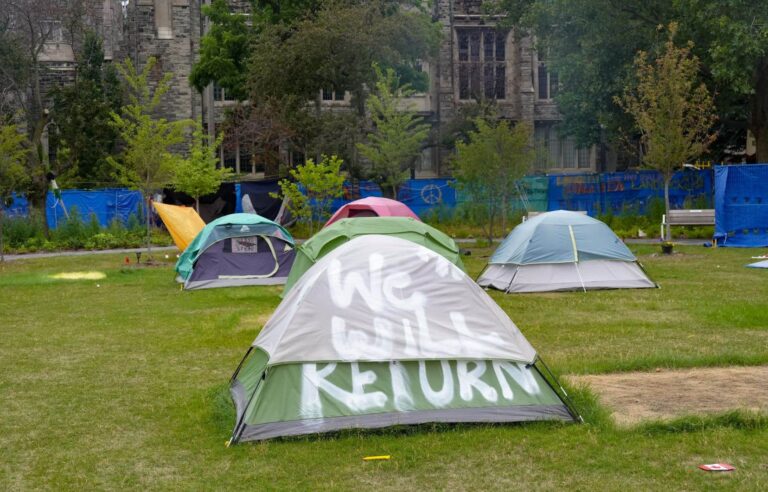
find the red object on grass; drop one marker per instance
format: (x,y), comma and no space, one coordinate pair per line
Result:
(717,467)
(127,261)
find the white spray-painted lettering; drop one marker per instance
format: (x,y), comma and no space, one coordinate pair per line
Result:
(442,397)
(357,400)
(357,345)
(402,397)
(342,293)
(523,377)
(469,374)
(471,379)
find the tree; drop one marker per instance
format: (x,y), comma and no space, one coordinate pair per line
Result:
(82,114)
(314,186)
(223,51)
(28,29)
(147,163)
(592,45)
(198,174)
(13,177)
(333,47)
(397,133)
(673,111)
(489,166)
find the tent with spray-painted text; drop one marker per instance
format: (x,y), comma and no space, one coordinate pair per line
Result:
(382,331)
(341,231)
(563,250)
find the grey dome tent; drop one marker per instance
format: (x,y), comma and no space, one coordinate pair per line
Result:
(563,250)
(237,250)
(382,331)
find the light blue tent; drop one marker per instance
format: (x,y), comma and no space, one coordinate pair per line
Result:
(563,250)
(759,264)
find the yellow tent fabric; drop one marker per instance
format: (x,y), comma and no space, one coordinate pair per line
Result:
(182,222)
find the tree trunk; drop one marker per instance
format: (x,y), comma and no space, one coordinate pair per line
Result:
(2,218)
(491,217)
(148,221)
(759,110)
(197,205)
(504,201)
(668,230)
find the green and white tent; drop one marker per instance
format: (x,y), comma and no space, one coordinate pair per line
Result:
(382,331)
(341,231)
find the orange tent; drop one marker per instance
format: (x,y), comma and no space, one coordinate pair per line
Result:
(182,222)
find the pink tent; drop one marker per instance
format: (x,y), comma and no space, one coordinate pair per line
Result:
(372,207)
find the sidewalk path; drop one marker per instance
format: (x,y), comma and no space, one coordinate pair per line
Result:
(52,254)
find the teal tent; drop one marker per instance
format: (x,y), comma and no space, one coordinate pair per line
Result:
(562,250)
(237,249)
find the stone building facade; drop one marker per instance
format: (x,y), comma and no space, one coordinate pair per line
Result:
(476,61)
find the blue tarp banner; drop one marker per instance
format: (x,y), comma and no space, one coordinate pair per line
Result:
(19,207)
(626,192)
(741,205)
(106,204)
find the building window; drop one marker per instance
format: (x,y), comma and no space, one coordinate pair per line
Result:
(548,83)
(220,94)
(482,64)
(51,31)
(555,152)
(164,19)
(332,95)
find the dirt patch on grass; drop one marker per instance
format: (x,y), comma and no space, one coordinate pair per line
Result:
(664,394)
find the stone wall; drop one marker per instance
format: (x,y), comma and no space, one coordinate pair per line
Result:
(175,53)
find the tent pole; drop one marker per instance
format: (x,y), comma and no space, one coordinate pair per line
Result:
(240,365)
(568,401)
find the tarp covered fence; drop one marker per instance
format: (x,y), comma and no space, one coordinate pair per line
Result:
(626,192)
(741,205)
(621,192)
(106,205)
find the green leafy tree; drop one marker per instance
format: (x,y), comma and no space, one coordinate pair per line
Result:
(198,174)
(397,133)
(83,136)
(490,164)
(13,176)
(313,187)
(334,47)
(592,45)
(147,163)
(672,109)
(223,51)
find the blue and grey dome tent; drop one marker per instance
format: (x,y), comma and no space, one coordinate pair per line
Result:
(235,250)
(563,250)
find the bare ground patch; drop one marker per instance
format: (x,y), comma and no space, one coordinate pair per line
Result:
(664,394)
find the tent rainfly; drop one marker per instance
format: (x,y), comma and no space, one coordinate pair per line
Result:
(235,250)
(563,250)
(338,233)
(183,223)
(382,331)
(373,206)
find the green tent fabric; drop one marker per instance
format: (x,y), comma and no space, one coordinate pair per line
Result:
(338,233)
(229,226)
(382,331)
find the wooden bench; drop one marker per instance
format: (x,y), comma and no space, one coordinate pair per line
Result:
(694,217)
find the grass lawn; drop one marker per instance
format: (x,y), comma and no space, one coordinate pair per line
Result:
(121,383)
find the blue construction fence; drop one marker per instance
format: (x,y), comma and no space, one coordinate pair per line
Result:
(741,205)
(106,205)
(619,193)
